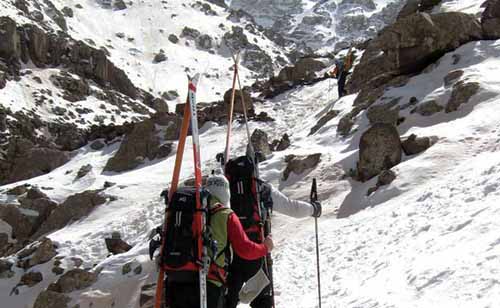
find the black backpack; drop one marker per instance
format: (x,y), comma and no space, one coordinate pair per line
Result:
(180,255)
(240,173)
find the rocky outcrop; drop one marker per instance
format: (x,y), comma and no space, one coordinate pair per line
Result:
(379,149)
(415,145)
(462,92)
(427,108)
(73,280)
(30,279)
(43,253)
(5,269)
(24,160)
(384,113)
(10,42)
(116,245)
(140,144)
(303,72)
(260,142)
(75,89)
(452,76)
(73,208)
(50,299)
(299,164)
(490,19)
(323,120)
(408,46)
(238,101)
(282,144)
(83,171)
(413,6)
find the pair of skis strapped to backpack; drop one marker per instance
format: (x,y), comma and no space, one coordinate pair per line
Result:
(242,203)
(200,259)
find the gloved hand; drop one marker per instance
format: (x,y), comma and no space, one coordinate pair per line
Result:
(317,209)
(268,241)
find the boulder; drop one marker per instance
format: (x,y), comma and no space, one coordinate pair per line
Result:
(10,42)
(173,38)
(299,164)
(413,145)
(304,70)
(379,149)
(190,33)
(38,45)
(141,143)
(18,190)
(323,120)
(160,57)
(427,108)
(97,145)
(452,76)
(345,125)
(413,6)
(120,5)
(409,45)
(165,150)
(83,171)
(51,299)
(117,245)
(283,144)
(238,102)
(260,142)
(461,94)
(490,20)
(21,224)
(204,42)
(384,113)
(386,177)
(68,12)
(73,208)
(35,255)
(31,278)
(73,280)
(43,206)
(5,269)
(74,88)
(27,160)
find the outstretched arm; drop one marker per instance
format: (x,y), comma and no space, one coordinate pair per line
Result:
(294,208)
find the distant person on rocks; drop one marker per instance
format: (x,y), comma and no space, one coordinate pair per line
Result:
(341,71)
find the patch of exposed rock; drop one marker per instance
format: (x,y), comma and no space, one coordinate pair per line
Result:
(73,208)
(323,120)
(73,280)
(140,144)
(51,299)
(407,47)
(415,145)
(379,149)
(299,164)
(260,142)
(462,92)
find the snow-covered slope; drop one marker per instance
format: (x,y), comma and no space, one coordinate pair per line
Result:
(429,239)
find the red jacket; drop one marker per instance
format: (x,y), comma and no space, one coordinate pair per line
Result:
(240,242)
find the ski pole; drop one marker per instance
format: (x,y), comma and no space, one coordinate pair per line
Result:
(314,198)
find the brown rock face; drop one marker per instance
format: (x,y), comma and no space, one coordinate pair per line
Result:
(409,45)
(44,252)
(260,142)
(75,89)
(379,149)
(238,103)
(427,108)
(413,145)
(491,20)
(10,42)
(461,94)
(117,246)
(452,77)
(30,279)
(50,299)
(299,164)
(138,145)
(74,208)
(414,6)
(304,70)
(385,113)
(323,120)
(76,279)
